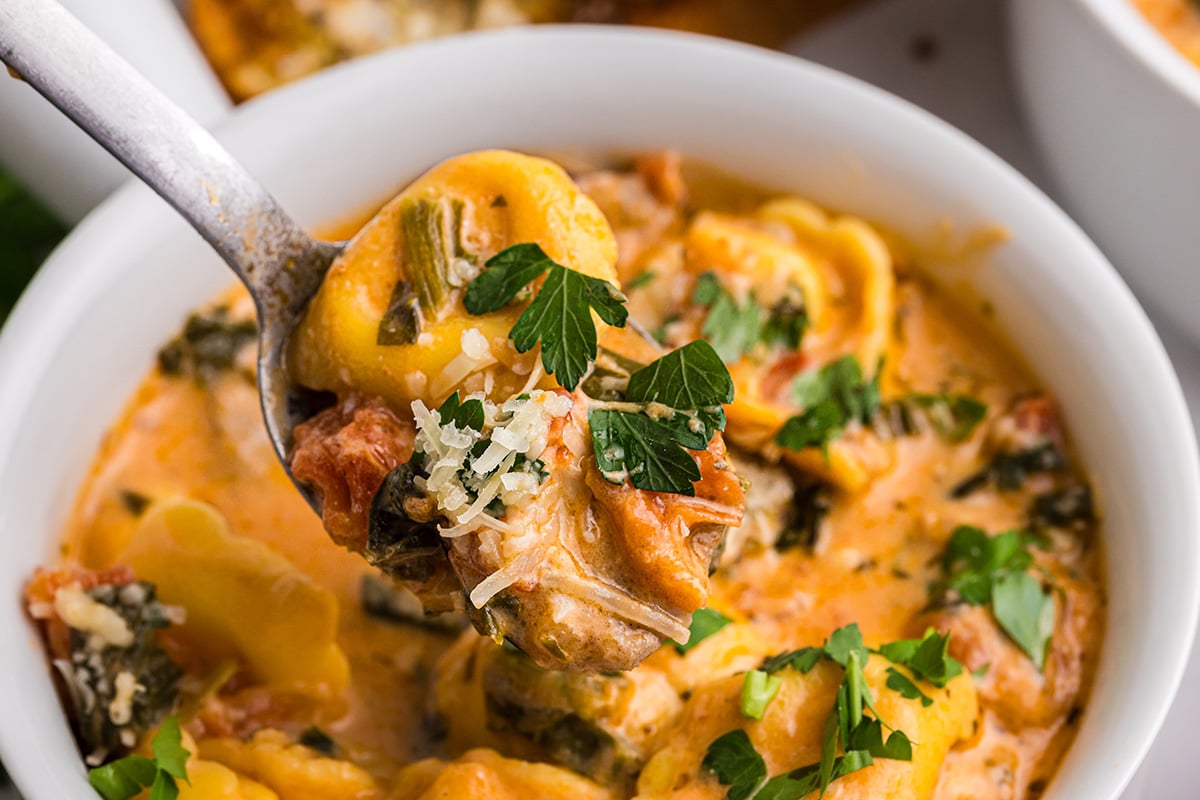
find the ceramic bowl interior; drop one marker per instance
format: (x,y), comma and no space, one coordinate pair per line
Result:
(87,330)
(1145,43)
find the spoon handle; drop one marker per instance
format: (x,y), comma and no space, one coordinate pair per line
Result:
(106,97)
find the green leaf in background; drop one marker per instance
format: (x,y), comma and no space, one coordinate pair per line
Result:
(27,235)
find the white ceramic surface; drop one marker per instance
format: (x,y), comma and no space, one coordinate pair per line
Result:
(87,330)
(1116,112)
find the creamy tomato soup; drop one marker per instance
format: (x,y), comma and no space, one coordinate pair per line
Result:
(871,567)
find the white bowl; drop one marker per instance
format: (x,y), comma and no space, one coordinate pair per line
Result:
(87,330)
(1115,110)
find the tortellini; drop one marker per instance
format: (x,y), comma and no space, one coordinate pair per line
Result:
(388,321)
(242,600)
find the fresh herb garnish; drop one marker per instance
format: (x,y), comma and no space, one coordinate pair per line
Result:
(1026,612)
(852,727)
(128,776)
(786,324)
(735,762)
(735,328)
(832,397)
(954,416)
(927,658)
(644,279)
(464,415)
(705,622)
(681,397)
(853,735)
(559,316)
(732,328)
(993,570)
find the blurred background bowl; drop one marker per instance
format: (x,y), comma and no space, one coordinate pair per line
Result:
(1115,110)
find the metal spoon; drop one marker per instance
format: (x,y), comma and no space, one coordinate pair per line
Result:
(280,264)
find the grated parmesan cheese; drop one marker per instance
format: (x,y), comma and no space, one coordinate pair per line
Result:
(120,710)
(81,612)
(464,480)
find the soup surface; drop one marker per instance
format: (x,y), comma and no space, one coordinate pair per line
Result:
(1178,21)
(911,607)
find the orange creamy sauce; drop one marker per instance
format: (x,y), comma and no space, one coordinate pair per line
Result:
(872,563)
(1178,21)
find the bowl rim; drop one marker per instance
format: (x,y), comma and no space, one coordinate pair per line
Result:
(1147,45)
(70,258)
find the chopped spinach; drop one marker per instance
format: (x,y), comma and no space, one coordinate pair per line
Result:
(810,505)
(208,345)
(567,715)
(91,673)
(317,739)
(134,502)
(786,323)
(1070,508)
(1009,471)
(402,534)
(382,601)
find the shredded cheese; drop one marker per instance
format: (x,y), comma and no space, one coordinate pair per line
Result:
(120,710)
(464,481)
(81,612)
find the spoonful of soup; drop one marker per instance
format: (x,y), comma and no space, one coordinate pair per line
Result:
(456,390)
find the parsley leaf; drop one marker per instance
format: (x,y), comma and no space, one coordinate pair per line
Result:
(802,660)
(682,394)
(786,324)
(128,776)
(903,685)
(928,657)
(734,328)
(847,728)
(633,446)
(954,416)
(731,328)
(692,378)
(644,279)
(559,316)
(758,690)
(832,397)
(463,415)
(735,762)
(993,570)
(705,622)
(1026,613)
(852,740)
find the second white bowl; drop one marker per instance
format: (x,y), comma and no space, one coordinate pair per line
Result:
(1115,111)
